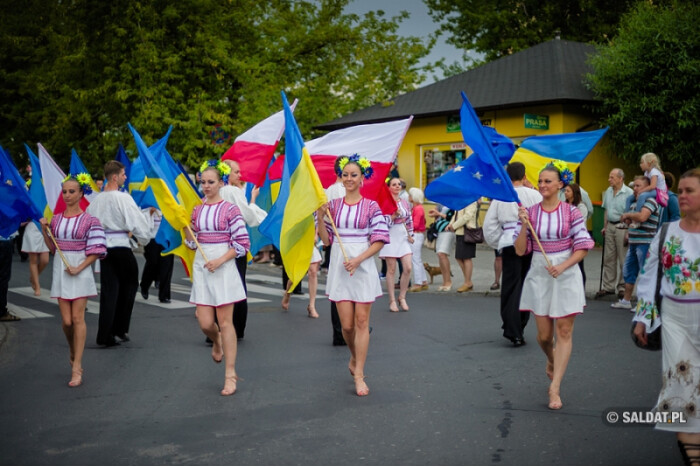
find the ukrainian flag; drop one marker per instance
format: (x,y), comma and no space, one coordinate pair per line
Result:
(77,167)
(174,197)
(535,152)
(290,222)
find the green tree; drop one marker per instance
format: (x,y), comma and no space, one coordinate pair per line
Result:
(497,28)
(72,74)
(648,82)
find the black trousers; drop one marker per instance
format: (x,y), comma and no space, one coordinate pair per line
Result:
(158,268)
(119,279)
(515,269)
(6,247)
(240,309)
(337,327)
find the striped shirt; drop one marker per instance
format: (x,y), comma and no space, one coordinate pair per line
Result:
(358,223)
(647,229)
(559,230)
(79,233)
(220,222)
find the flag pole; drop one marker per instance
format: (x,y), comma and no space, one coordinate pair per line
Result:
(340,243)
(537,239)
(199,247)
(63,258)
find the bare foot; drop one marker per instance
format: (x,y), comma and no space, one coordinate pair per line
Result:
(554,400)
(361,388)
(393,307)
(312,311)
(37,292)
(229,385)
(217,349)
(285,301)
(550,370)
(76,378)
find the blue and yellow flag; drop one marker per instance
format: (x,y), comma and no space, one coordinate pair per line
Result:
(124,159)
(290,222)
(36,186)
(77,167)
(537,151)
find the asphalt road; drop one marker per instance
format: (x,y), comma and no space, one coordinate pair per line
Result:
(446,389)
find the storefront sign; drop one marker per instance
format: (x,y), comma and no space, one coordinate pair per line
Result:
(537,122)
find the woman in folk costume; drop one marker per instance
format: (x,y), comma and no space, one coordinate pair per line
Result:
(553,292)
(314,268)
(401,235)
(353,281)
(216,284)
(33,244)
(81,240)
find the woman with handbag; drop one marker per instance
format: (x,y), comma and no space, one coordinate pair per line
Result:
(552,289)
(680,335)
(465,226)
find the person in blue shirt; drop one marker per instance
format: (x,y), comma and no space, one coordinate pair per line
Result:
(672,212)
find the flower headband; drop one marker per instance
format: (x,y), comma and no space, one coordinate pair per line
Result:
(361,161)
(83,179)
(565,174)
(222,167)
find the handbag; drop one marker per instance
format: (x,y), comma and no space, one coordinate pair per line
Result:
(662,197)
(474,235)
(431,233)
(654,338)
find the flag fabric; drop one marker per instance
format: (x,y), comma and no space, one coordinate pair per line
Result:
(536,151)
(137,180)
(16,206)
(52,177)
(77,167)
(254,149)
(378,142)
(482,173)
(290,222)
(172,197)
(36,187)
(265,200)
(124,159)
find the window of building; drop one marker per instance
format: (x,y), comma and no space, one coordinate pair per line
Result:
(438,159)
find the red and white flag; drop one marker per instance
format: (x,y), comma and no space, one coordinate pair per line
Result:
(254,149)
(378,142)
(52,176)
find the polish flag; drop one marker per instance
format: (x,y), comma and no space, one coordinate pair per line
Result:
(378,142)
(52,176)
(253,149)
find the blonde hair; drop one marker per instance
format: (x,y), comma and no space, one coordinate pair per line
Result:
(652,160)
(417,195)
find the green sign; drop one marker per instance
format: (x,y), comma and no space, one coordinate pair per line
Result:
(538,122)
(453,124)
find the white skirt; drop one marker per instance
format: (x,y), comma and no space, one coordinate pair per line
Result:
(316,256)
(680,342)
(362,287)
(70,287)
(445,243)
(33,240)
(218,288)
(398,246)
(546,296)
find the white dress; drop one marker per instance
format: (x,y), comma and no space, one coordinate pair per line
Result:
(77,237)
(33,240)
(399,231)
(680,315)
(561,232)
(359,225)
(218,227)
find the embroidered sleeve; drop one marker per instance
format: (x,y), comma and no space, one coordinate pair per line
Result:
(580,237)
(333,206)
(378,228)
(96,241)
(239,234)
(191,244)
(647,311)
(409,217)
(532,212)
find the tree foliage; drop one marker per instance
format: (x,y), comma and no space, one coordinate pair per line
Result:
(648,82)
(497,28)
(73,73)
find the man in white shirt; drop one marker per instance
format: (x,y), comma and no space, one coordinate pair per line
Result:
(119,275)
(499,226)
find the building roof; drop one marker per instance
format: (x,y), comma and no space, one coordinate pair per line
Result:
(551,72)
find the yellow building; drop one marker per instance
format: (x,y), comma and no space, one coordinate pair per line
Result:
(537,91)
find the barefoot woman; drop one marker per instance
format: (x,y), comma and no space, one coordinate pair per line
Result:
(82,241)
(553,293)
(216,283)
(354,284)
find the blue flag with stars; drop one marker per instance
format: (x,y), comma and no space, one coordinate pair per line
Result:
(482,173)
